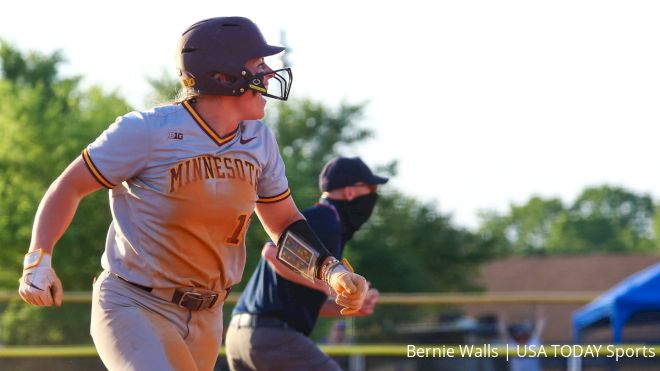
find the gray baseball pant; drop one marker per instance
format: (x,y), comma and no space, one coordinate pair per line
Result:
(274,349)
(135,330)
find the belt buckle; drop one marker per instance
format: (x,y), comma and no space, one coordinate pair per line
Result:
(194,300)
(189,299)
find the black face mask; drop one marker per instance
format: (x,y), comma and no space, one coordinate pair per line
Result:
(354,213)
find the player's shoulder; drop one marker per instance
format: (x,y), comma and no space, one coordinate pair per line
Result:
(157,116)
(129,123)
(167,109)
(164,112)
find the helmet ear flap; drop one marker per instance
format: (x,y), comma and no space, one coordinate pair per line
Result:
(225,79)
(237,84)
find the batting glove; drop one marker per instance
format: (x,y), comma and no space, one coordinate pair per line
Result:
(351,288)
(39,284)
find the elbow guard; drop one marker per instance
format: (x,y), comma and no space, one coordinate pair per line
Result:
(300,249)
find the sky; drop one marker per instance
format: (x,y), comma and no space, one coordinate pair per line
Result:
(483,103)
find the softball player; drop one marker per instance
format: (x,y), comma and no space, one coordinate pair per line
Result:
(184,180)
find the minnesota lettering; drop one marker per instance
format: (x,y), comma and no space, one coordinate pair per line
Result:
(211,167)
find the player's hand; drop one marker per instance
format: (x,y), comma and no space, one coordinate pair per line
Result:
(39,284)
(369,304)
(351,290)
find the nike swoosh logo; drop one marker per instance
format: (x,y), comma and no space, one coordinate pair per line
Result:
(28,281)
(246,141)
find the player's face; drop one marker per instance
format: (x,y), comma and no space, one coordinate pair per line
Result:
(252,103)
(361,189)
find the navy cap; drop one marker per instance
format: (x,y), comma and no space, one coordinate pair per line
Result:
(342,172)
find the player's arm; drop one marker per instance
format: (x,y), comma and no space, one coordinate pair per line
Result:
(302,251)
(59,205)
(276,216)
(53,217)
(269,253)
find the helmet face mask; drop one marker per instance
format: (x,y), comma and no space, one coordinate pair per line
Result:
(212,55)
(279,83)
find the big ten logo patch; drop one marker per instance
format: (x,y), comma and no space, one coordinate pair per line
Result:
(175,135)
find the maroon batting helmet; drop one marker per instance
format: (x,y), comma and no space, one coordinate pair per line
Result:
(223,45)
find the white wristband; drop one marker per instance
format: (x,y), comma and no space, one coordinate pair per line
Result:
(336,269)
(36,258)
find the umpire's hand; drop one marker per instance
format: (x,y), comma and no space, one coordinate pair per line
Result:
(369,304)
(39,284)
(351,290)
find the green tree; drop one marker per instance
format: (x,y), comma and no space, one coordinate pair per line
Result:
(525,229)
(605,219)
(164,89)
(46,123)
(601,219)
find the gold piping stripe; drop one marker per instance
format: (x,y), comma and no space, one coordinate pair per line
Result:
(95,172)
(277,198)
(207,129)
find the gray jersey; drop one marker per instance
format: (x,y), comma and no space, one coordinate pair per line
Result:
(182,196)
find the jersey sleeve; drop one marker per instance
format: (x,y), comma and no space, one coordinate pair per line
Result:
(272,184)
(120,152)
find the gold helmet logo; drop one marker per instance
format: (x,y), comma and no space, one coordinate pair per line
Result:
(188,82)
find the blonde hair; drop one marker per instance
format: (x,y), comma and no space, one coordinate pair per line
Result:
(183,95)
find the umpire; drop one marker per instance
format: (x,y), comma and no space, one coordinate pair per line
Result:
(278,309)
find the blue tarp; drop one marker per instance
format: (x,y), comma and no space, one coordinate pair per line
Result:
(637,294)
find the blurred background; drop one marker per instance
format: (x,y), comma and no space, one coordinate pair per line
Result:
(521,139)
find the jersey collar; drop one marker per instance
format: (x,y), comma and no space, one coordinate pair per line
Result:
(206,127)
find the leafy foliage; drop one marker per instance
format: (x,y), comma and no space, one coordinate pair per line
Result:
(45,125)
(608,219)
(27,325)
(526,228)
(165,89)
(601,219)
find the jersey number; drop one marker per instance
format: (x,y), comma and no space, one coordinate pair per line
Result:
(235,237)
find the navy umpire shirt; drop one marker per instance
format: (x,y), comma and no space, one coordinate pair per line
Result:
(272,295)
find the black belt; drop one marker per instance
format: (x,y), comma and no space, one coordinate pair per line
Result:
(145,288)
(257,320)
(186,297)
